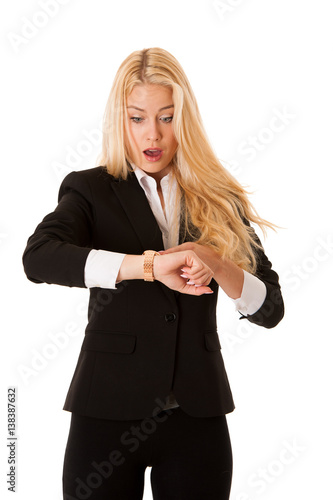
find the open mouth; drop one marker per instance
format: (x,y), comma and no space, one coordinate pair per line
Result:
(153,154)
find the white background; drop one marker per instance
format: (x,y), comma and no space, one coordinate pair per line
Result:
(247,62)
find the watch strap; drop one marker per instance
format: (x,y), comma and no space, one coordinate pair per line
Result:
(148,264)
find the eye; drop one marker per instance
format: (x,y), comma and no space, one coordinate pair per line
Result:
(136,119)
(166,119)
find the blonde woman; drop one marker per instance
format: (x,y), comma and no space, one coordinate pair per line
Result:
(154,231)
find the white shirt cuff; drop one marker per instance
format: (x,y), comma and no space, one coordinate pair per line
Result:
(253,295)
(101,269)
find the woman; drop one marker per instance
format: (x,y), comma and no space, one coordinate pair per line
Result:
(150,388)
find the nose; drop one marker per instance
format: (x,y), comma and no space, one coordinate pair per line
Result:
(153,132)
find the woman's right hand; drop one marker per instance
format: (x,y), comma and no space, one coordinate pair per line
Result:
(168,270)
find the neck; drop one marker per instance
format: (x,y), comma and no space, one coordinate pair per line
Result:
(159,175)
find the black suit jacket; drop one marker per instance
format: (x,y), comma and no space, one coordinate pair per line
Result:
(142,339)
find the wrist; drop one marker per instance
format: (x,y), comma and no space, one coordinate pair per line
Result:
(230,277)
(217,265)
(131,268)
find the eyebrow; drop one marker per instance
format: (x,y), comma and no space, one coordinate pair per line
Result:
(139,109)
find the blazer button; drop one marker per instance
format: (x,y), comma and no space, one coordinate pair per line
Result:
(170,317)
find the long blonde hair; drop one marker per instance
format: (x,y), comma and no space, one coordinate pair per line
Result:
(215,209)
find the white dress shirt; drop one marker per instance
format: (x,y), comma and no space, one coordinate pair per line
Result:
(102,267)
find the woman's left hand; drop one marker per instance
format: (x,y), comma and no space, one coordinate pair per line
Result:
(226,273)
(205,253)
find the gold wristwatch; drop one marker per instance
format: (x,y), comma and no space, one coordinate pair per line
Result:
(148,263)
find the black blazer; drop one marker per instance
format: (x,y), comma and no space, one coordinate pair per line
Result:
(142,339)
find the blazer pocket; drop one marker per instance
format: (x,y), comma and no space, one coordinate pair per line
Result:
(109,342)
(212,341)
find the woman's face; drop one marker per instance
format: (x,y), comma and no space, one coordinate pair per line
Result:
(151,141)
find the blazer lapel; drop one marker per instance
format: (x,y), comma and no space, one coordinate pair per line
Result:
(136,206)
(134,202)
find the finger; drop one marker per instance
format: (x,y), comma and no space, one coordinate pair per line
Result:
(202,281)
(186,269)
(199,282)
(191,290)
(201,275)
(204,290)
(206,283)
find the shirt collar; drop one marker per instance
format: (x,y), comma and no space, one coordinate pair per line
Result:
(141,174)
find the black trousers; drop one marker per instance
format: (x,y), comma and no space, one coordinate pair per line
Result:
(190,458)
